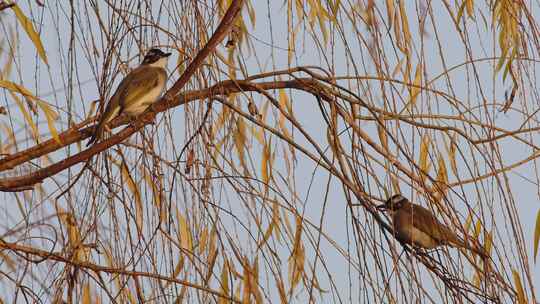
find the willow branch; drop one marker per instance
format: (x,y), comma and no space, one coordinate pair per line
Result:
(52,256)
(27,181)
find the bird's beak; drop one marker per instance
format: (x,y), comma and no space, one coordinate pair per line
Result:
(167,54)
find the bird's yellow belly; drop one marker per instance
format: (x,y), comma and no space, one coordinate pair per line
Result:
(140,106)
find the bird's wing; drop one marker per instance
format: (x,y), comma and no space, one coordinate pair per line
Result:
(425,221)
(140,82)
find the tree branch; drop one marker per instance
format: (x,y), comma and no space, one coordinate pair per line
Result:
(52,256)
(24,182)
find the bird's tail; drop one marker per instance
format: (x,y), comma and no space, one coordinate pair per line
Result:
(476,248)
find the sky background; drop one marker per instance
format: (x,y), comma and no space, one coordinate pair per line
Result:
(311,181)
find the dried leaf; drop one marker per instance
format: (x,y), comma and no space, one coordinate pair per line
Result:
(415,89)
(405,25)
(27,117)
(51,116)
(521,299)
(423,160)
(31,32)
(536,234)
(296,260)
(381,129)
(266,163)
(442,176)
(86,294)
(186,240)
(224,283)
(240,140)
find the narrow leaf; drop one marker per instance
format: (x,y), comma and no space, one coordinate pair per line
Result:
(31,32)
(536,234)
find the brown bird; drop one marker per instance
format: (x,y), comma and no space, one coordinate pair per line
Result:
(417,226)
(136,92)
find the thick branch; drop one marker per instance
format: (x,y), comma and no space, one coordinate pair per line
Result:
(22,183)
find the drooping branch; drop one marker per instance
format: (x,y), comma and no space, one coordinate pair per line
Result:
(76,134)
(53,256)
(26,182)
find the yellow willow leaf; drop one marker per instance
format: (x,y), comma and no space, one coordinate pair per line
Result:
(405,24)
(381,129)
(186,240)
(282,293)
(31,32)
(488,243)
(240,140)
(468,222)
(285,102)
(27,117)
(12,140)
(177,269)
(211,262)
(398,34)
(266,163)
(224,283)
(17,88)
(288,226)
(424,153)
(442,176)
(254,273)
(415,89)
(536,234)
(398,69)
(470,7)
(390,12)
(9,63)
(86,294)
(212,244)
(134,189)
(258,133)
(246,283)
(203,240)
(267,234)
(461,10)
(477,229)
(285,106)
(296,260)
(51,116)
(323,28)
(452,155)
(476,279)
(521,299)
(296,266)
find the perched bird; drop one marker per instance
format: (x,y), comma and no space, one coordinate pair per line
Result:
(138,90)
(417,226)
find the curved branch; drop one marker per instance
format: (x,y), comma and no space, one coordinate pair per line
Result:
(27,181)
(52,256)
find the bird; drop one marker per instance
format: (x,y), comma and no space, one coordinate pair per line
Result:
(417,226)
(136,92)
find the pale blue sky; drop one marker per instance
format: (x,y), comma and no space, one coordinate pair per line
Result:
(337,222)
